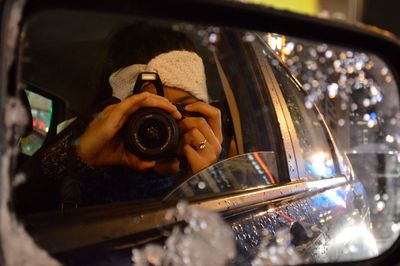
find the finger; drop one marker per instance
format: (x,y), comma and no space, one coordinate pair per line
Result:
(212,113)
(193,158)
(132,161)
(146,99)
(193,137)
(201,124)
(114,117)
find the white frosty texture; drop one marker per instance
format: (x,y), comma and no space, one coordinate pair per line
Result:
(205,240)
(18,247)
(277,250)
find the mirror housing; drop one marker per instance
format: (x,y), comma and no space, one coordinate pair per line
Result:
(233,14)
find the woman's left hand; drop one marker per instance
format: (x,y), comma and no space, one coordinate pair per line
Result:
(202,136)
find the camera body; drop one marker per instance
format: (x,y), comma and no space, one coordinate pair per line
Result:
(151,133)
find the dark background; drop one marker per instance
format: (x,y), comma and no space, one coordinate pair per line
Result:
(384,14)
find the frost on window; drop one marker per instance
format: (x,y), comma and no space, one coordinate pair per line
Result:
(205,240)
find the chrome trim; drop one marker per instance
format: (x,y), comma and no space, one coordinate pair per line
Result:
(84,233)
(269,193)
(289,136)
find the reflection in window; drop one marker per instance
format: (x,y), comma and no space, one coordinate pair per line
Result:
(247,171)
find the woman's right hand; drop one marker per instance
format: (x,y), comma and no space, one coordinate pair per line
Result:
(101,145)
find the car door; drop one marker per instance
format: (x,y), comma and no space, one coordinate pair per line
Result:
(312,157)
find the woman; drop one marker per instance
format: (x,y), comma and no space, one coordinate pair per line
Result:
(89,164)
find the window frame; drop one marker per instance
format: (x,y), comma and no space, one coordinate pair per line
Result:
(292,145)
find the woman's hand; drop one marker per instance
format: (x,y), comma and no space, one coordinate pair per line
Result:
(202,137)
(100,144)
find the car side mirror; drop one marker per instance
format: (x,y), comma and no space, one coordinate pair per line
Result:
(349,74)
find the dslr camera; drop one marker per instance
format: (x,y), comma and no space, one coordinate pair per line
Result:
(152,133)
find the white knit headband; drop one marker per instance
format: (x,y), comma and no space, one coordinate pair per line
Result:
(179,69)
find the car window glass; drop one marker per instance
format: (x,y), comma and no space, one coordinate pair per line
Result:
(311,134)
(41,111)
(243,172)
(75,66)
(358,95)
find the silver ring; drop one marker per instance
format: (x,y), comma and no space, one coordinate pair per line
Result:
(202,145)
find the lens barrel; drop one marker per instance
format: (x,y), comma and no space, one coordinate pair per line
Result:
(151,134)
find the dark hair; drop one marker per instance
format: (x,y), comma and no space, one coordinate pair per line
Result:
(138,44)
(132,44)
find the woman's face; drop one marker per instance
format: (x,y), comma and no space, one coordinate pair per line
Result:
(170,166)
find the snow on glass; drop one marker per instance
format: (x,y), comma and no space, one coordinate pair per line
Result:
(208,240)
(277,250)
(17,247)
(205,240)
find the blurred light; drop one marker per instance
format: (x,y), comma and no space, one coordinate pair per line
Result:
(380,206)
(212,38)
(201,185)
(249,37)
(377,197)
(396,227)
(366,102)
(384,71)
(385,197)
(275,41)
(354,106)
(374,90)
(389,138)
(308,104)
(290,46)
(320,164)
(366,117)
(371,123)
(359,234)
(332,195)
(41,125)
(333,90)
(328,54)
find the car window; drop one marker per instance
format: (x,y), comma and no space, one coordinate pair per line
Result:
(243,172)
(316,150)
(76,66)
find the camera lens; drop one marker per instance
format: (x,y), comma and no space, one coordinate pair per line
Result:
(151,134)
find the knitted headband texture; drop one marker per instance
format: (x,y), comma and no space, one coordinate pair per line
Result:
(178,69)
